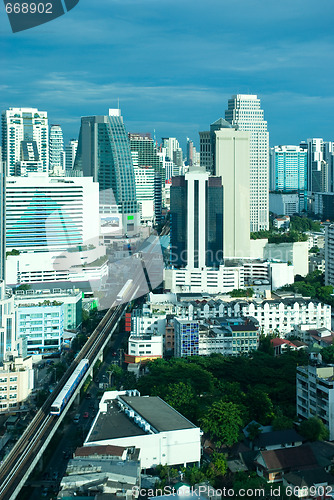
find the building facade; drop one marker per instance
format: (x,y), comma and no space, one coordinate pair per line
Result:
(56,148)
(2,219)
(196,220)
(70,154)
(315,394)
(8,344)
(48,213)
(16,383)
(24,124)
(232,165)
(244,111)
(104,153)
(329,254)
(42,324)
(186,337)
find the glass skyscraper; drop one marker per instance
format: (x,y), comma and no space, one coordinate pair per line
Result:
(104,153)
(288,171)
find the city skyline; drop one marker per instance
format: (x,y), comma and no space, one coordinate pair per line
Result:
(181,74)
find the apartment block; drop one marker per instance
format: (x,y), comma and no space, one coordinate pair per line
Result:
(315,394)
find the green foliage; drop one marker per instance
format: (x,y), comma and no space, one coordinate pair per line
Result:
(219,464)
(265,344)
(312,285)
(24,287)
(13,252)
(242,292)
(223,422)
(304,224)
(276,236)
(259,406)
(253,430)
(327,354)
(248,481)
(313,429)
(282,423)
(179,396)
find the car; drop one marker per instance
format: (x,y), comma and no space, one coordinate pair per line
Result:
(76,418)
(114,353)
(88,395)
(86,414)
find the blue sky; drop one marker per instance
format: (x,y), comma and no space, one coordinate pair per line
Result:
(173,64)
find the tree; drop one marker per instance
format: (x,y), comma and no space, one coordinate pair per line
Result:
(282,423)
(259,405)
(223,422)
(179,395)
(254,430)
(313,429)
(327,354)
(218,465)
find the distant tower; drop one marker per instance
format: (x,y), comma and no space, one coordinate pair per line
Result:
(317,168)
(244,111)
(70,153)
(24,124)
(56,147)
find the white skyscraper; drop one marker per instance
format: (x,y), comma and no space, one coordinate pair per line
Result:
(244,111)
(24,124)
(70,152)
(56,148)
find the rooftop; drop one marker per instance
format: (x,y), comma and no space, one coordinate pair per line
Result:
(158,413)
(113,424)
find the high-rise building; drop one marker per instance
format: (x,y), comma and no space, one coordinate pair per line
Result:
(232,165)
(70,153)
(288,171)
(56,148)
(329,159)
(147,157)
(208,145)
(104,153)
(196,220)
(51,213)
(24,124)
(144,178)
(329,254)
(171,144)
(190,152)
(317,172)
(29,160)
(2,220)
(244,111)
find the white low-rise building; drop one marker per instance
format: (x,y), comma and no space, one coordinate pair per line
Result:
(16,382)
(206,280)
(163,435)
(85,264)
(142,348)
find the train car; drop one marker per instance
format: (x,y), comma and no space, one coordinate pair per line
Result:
(124,290)
(70,386)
